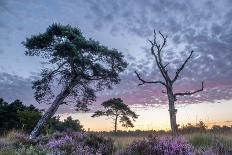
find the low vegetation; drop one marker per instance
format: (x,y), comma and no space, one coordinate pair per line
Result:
(17,115)
(146,143)
(68,137)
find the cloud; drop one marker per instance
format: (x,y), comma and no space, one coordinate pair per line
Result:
(14,87)
(1,51)
(203,26)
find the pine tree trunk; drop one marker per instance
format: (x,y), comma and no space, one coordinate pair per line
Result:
(172,111)
(115,124)
(50,112)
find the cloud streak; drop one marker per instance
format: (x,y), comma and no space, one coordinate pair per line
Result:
(203,26)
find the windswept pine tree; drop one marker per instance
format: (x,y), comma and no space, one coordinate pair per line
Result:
(118,111)
(77,68)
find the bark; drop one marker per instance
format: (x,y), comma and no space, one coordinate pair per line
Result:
(115,124)
(50,112)
(172,110)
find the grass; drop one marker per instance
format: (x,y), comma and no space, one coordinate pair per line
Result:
(204,140)
(121,142)
(198,140)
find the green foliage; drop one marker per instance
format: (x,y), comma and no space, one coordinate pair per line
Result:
(28,118)
(54,124)
(83,65)
(116,109)
(17,116)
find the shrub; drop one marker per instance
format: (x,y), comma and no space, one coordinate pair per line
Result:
(23,140)
(11,135)
(6,144)
(100,144)
(216,149)
(159,146)
(64,144)
(81,144)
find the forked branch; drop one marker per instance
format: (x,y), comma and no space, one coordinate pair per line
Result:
(144,81)
(157,54)
(182,67)
(190,93)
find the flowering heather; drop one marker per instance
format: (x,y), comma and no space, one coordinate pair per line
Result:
(80,144)
(173,146)
(68,145)
(23,139)
(159,146)
(59,143)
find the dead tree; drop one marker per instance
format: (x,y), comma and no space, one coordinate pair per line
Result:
(156,50)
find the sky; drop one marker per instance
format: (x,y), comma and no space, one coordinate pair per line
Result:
(204,26)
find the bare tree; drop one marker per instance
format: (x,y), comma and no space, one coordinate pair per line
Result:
(156,50)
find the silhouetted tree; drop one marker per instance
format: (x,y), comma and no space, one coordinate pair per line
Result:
(78,66)
(28,118)
(201,125)
(216,128)
(156,50)
(118,111)
(54,124)
(16,115)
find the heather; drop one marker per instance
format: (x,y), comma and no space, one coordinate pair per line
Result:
(69,143)
(86,143)
(159,146)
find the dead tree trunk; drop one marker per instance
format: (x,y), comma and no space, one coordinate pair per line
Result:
(50,112)
(172,111)
(168,82)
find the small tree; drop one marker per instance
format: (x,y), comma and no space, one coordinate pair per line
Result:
(28,118)
(156,50)
(118,111)
(54,124)
(71,124)
(78,67)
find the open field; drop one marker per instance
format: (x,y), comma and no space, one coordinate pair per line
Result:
(198,140)
(10,144)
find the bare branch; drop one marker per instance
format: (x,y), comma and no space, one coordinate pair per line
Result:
(164,40)
(144,81)
(181,68)
(190,93)
(150,42)
(166,65)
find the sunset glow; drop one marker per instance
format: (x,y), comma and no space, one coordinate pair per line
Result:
(203,26)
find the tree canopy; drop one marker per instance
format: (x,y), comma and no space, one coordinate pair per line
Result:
(84,64)
(117,110)
(54,124)
(78,66)
(16,115)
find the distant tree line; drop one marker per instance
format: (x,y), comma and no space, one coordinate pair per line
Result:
(16,115)
(201,127)
(184,129)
